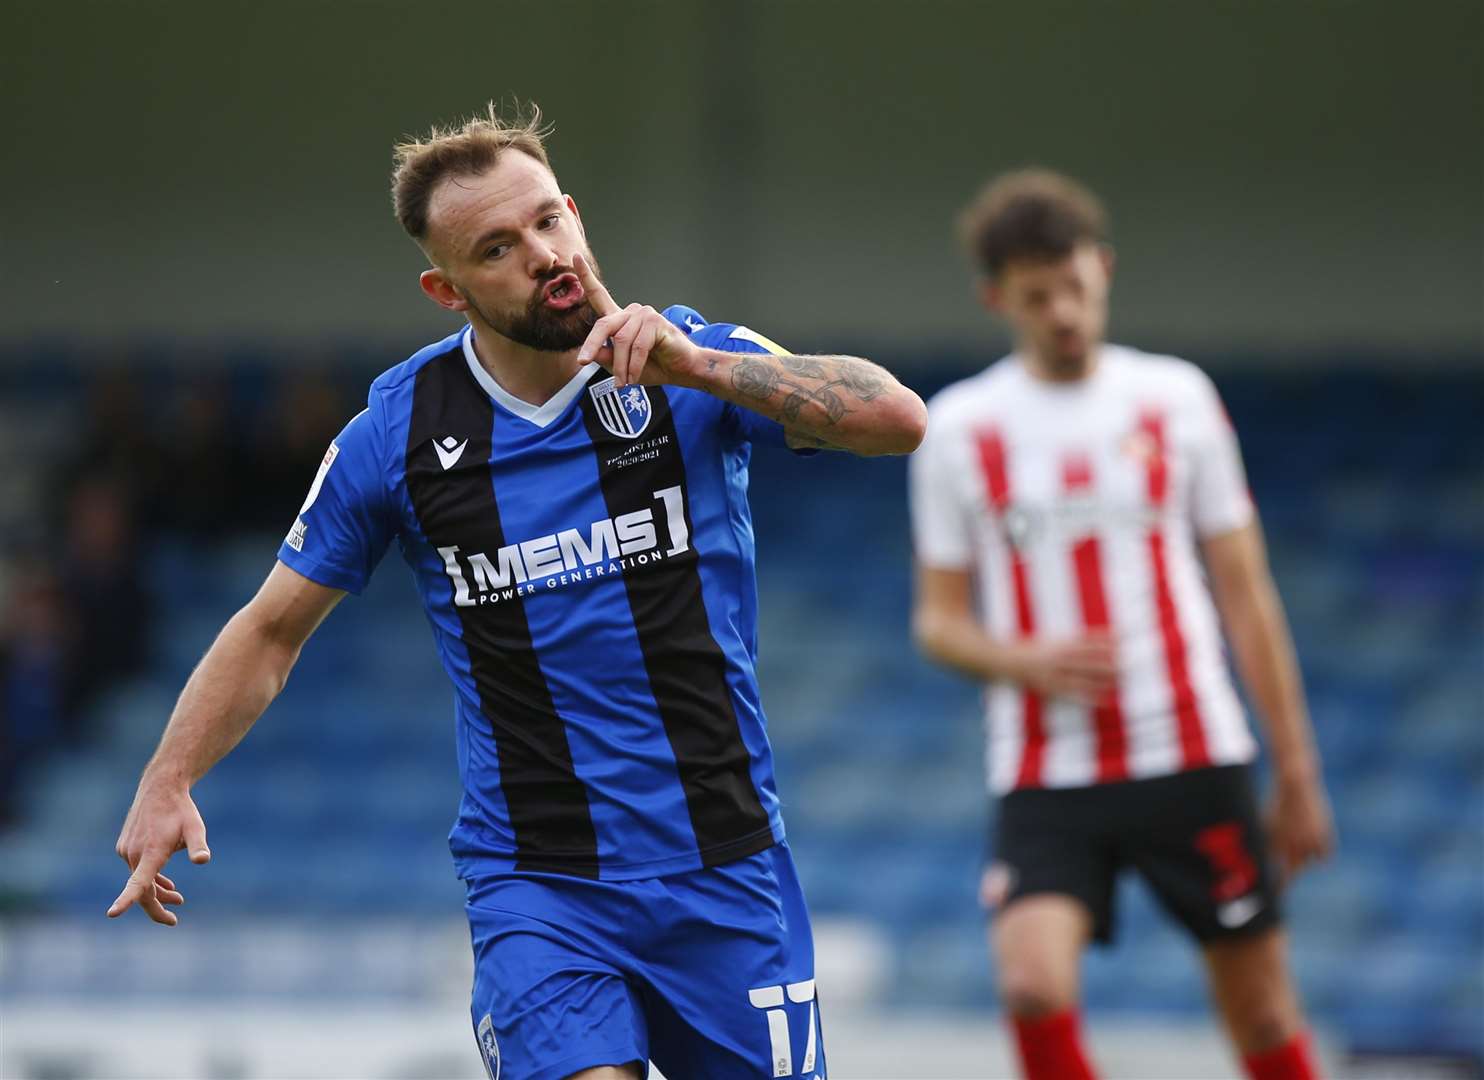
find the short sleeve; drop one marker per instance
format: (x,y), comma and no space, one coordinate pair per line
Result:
(941,533)
(345,524)
(1220,501)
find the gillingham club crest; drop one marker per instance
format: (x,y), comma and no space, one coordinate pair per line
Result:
(625,412)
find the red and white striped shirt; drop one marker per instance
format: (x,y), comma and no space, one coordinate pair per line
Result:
(1077,506)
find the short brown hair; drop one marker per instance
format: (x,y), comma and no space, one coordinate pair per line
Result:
(468,149)
(1031,213)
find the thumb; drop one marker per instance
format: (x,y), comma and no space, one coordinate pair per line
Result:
(195,842)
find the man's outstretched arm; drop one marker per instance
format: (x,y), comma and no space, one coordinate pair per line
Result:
(235,681)
(831,402)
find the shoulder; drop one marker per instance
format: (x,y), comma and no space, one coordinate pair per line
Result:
(963,401)
(389,399)
(725,336)
(401,376)
(1170,377)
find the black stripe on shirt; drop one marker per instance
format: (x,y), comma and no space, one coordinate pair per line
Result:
(456,507)
(686,667)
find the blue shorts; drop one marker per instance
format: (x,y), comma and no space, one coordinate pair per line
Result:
(707,974)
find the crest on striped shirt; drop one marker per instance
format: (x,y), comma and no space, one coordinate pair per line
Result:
(625,411)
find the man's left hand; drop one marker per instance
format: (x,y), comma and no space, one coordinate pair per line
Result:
(637,344)
(1299,823)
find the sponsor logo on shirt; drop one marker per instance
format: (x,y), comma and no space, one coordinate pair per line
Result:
(1026,524)
(607,547)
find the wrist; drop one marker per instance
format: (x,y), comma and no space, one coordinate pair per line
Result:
(1016,664)
(1295,771)
(167,776)
(701,369)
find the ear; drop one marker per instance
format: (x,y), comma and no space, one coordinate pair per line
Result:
(572,206)
(442,291)
(990,294)
(1109,259)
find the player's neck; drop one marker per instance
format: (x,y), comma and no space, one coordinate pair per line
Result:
(1060,371)
(528,374)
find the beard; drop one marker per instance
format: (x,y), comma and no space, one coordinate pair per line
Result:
(538,327)
(1067,357)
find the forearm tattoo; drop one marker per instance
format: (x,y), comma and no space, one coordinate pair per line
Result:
(827,382)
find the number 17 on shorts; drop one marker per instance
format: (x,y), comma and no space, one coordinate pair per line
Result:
(771,999)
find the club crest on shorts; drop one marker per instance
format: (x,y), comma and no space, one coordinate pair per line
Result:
(489,1049)
(625,411)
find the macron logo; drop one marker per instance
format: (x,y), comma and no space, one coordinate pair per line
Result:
(449,451)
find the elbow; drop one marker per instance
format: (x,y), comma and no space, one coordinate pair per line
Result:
(914,423)
(927,634)
(904,426)
(262,637)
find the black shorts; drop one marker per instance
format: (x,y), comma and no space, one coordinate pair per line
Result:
(1195,838)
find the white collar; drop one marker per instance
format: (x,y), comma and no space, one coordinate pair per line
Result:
(540,415)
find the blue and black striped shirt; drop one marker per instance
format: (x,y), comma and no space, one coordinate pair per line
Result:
(587,568)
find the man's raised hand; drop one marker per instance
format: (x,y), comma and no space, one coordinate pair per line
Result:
(636,343)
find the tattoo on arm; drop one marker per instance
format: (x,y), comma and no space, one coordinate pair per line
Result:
(804,365)
(821,380)
(755,379)
(824,396)
(862,379)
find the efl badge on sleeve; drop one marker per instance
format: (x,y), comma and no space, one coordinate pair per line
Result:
(489,1049)
(624,412)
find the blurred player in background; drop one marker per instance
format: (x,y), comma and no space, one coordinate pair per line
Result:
(583,547)
(1063,503)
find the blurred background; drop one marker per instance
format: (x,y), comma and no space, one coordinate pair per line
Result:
(201,275)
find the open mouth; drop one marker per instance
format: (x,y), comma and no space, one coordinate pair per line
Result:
(563,293)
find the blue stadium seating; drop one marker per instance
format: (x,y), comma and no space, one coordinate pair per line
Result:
(1372,487)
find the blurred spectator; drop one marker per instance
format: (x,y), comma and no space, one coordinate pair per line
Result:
(104,588)
(302,418)
(117,440)
(201,463)
(36,666)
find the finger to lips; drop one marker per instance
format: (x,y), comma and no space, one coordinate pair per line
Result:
(596,294)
